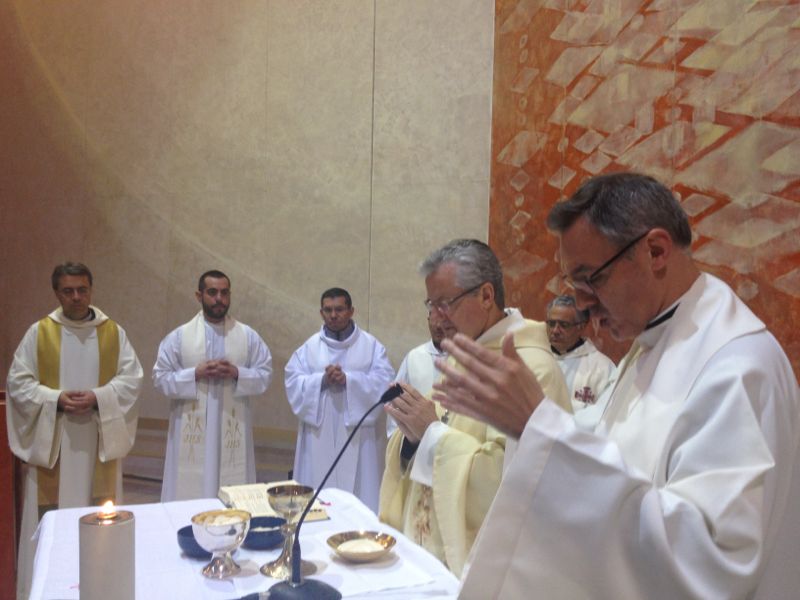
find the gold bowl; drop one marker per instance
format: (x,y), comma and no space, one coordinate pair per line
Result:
(361,546)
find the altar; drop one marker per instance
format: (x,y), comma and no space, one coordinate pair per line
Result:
(162,571)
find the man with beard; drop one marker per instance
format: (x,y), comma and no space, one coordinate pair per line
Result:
(210,368)
(72,408)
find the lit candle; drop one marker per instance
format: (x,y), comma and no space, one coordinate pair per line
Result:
(107,551)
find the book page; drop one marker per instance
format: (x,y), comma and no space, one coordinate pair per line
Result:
(252,497)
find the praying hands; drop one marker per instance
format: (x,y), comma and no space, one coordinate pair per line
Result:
(495,388)
(412,412)
(216,369)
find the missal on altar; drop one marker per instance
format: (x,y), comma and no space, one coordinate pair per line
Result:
(252,497)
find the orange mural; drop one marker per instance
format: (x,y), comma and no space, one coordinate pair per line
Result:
(703,95)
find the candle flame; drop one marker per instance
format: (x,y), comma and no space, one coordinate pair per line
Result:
(108,511)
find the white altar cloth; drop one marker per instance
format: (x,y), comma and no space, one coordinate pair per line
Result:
(162,571)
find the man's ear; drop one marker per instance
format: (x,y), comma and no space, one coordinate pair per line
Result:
(660,248)
(487,294)
(199,295)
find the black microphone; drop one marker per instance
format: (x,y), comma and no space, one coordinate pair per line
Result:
(298,588)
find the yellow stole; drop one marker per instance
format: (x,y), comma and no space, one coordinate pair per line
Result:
(48,355)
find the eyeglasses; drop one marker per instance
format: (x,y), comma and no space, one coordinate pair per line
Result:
(566,325)
(446,305)
(589,283)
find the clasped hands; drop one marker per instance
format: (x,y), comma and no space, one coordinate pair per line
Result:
(216,369)
(334,375)
(412,412)
(494,387)
(77,402)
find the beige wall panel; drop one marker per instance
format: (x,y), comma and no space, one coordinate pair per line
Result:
(314,225)
(433,86)
(432,214)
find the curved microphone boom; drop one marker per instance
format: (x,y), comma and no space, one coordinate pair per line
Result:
(297,587)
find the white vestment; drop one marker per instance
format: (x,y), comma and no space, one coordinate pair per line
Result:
(419,371)
(327,413)
(40,435)
(685,489)
(586,372)
(174,376)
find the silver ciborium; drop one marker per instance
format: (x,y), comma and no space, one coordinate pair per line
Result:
(288,501)
(220,532)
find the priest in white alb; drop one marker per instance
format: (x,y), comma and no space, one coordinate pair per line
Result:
(688,486)
(212,369)
(332,380)
(418,368)
(72,407)
(587,371)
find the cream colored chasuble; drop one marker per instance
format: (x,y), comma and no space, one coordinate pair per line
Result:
(57,484)
(192,452)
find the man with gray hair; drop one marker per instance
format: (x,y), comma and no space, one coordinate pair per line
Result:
(689,486)
(586,369)
(442,469)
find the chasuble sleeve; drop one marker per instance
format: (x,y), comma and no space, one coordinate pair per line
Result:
(118,409)
(304,389)
(169,375)
(572,510)
(255,376)
(32,408)
(364,388)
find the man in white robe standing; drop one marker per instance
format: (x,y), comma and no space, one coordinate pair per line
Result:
(211,369)
(331,381)
(418,368)
(72,411)
(688,486)
(586,369)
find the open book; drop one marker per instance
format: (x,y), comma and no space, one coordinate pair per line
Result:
(252,497)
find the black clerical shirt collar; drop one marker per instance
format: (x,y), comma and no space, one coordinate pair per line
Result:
(578,344)
(342,335)
(665,316)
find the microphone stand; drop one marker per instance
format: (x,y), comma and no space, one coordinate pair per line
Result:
(298,588)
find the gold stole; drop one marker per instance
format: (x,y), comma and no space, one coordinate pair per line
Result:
(48,355)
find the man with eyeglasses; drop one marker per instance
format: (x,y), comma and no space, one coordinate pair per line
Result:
(213,370)
(688,486)
(331,381)
(586,369)
(72,410)
(443,469)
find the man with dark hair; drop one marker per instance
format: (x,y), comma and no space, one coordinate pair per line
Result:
(688,486)
(586,369)
(212,369)
(331,381)
(442,469)
(72,411)
(418,369)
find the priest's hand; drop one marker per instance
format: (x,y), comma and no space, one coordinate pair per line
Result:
(494,387)
(412,412)
(226,370)
(216,369)
(77,402)
(335,375)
